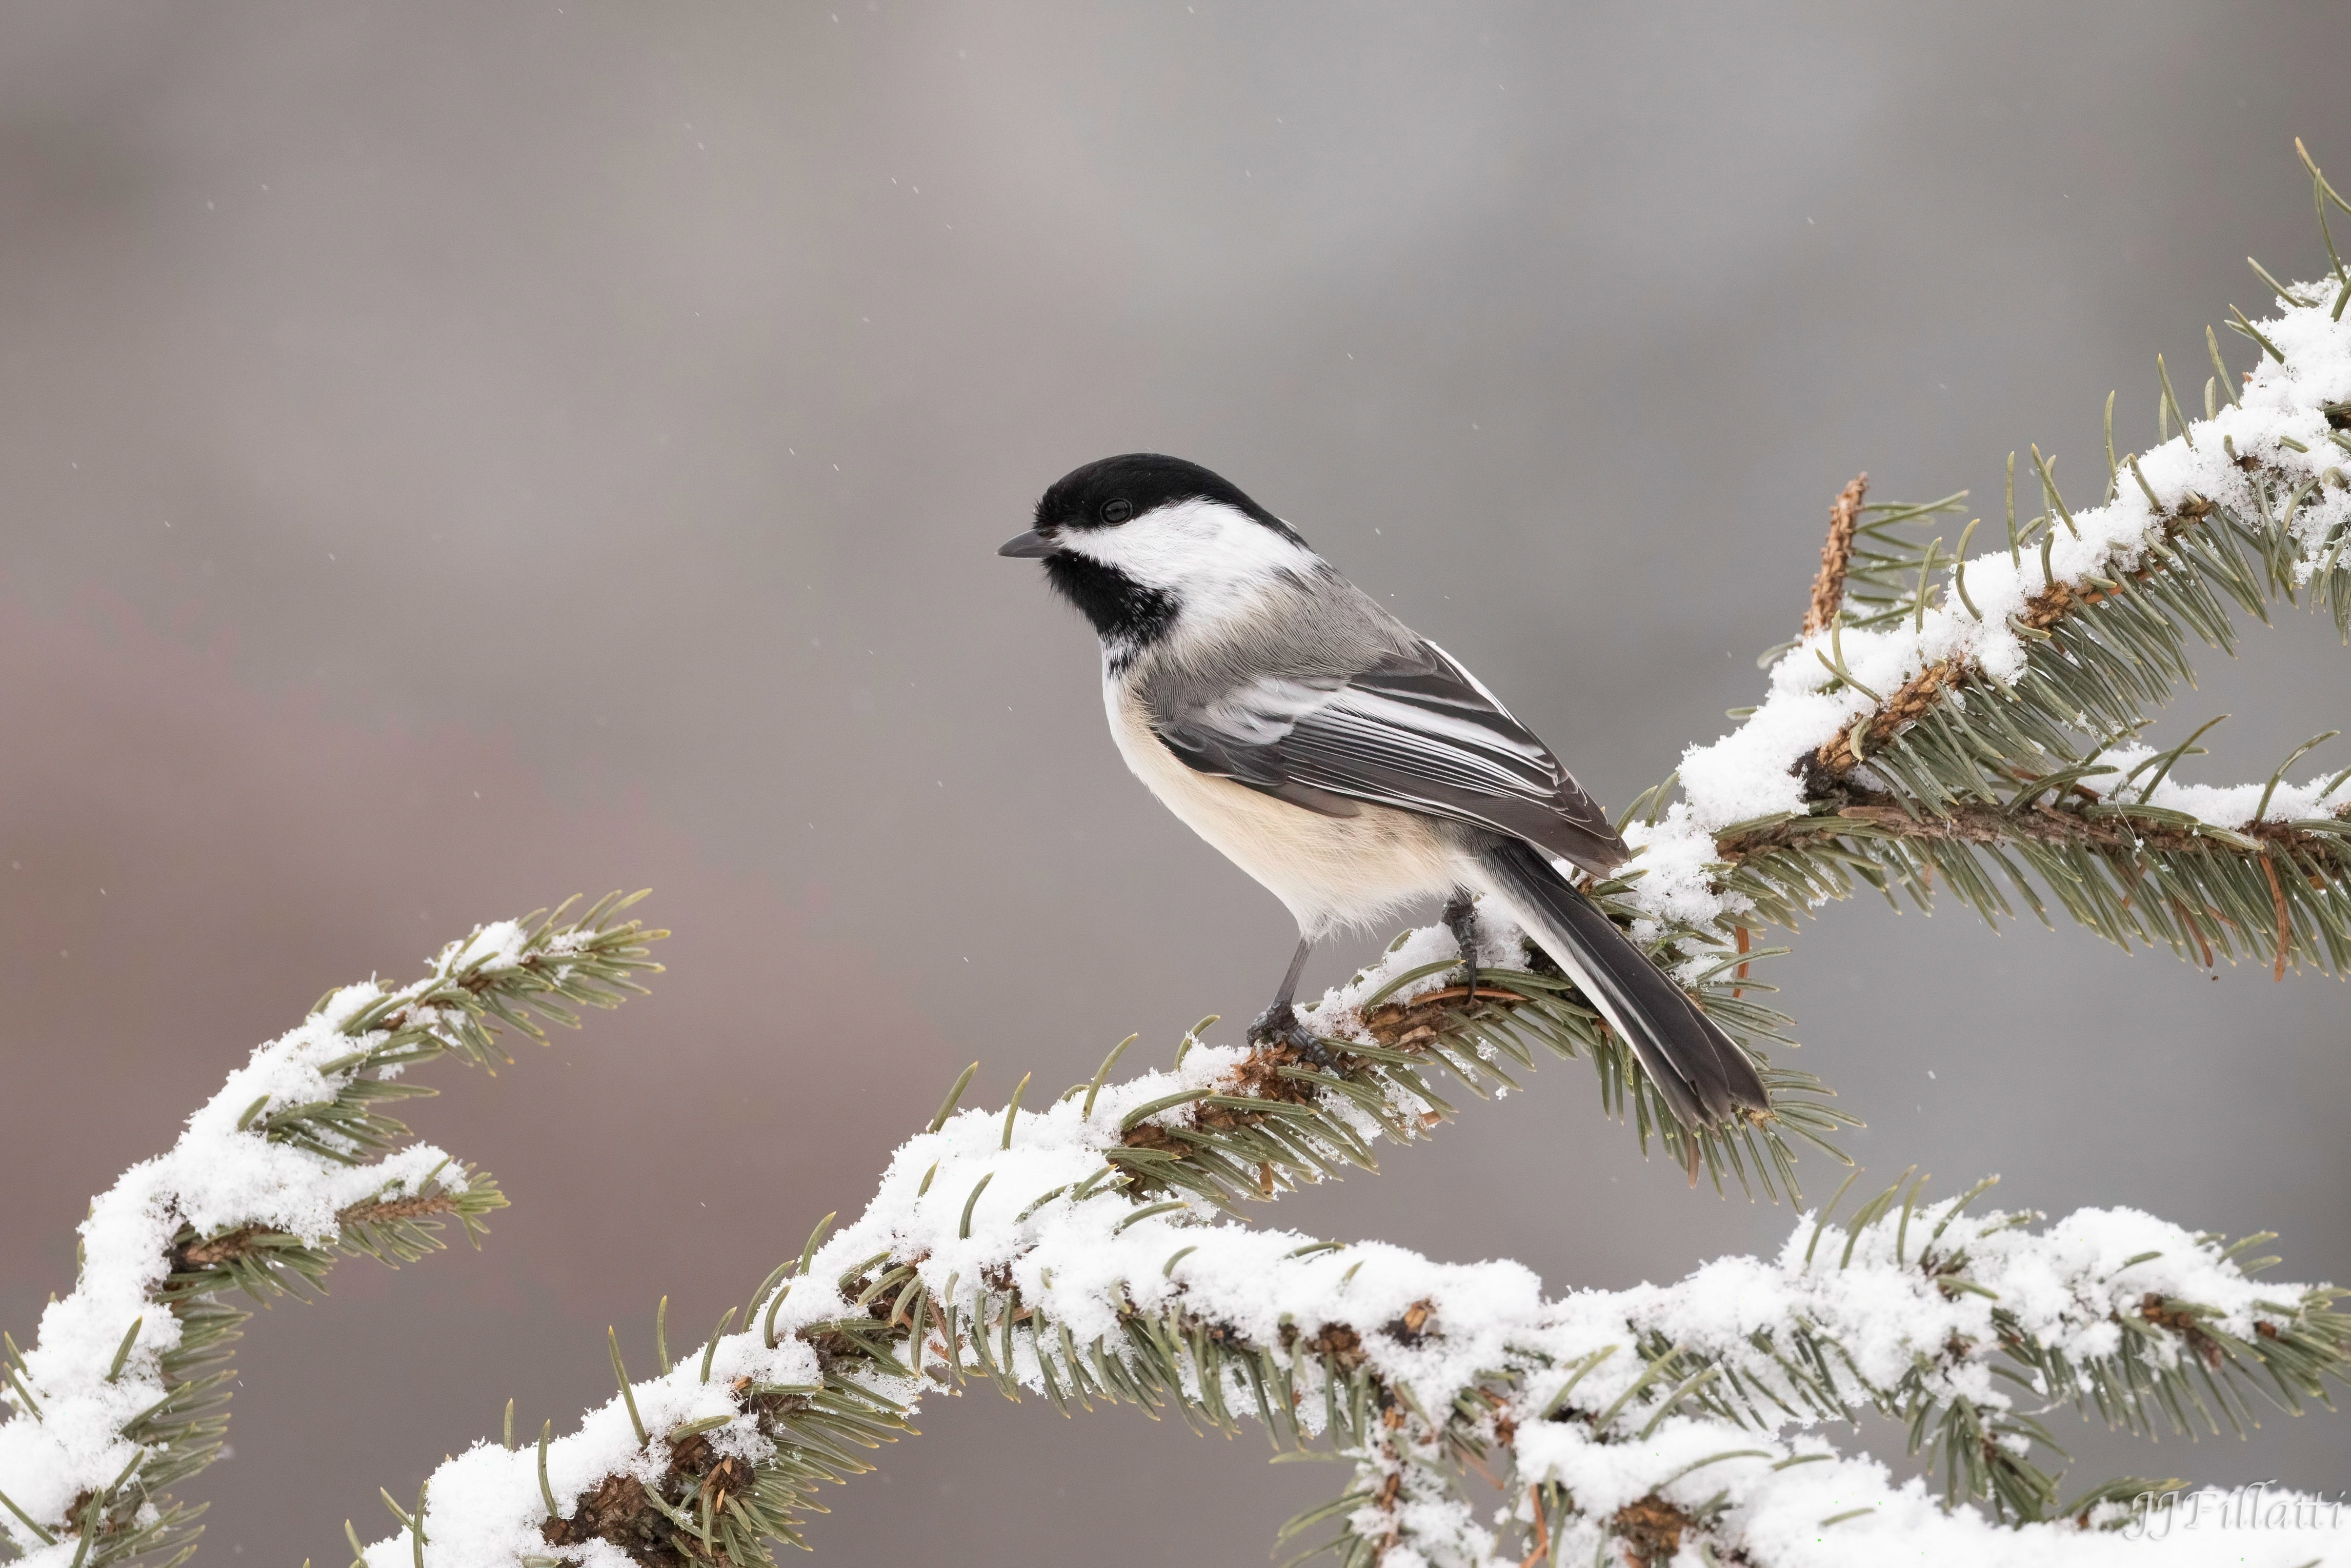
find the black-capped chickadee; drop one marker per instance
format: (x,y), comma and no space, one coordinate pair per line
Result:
(1347,763)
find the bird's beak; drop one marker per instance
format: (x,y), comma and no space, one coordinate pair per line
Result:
(1030,546)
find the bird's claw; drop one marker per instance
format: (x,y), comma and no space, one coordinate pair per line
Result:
(1278,1025)
(1461,918)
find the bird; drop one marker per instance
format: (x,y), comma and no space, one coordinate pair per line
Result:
(1348,764)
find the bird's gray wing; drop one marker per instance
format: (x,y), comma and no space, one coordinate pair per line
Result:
(1415,731)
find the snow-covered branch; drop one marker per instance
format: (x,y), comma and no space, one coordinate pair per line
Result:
(1405,1022)
(1984,726)
(291,1163)
(1016,1245)
(1981,725)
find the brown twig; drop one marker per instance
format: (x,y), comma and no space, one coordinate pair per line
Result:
(1418,1025)
(2122,839)
(1836,555)
(1842,754)
(1990,822)
(1542,1529)
(231,1244)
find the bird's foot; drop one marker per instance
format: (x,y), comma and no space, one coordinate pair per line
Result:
(1278,1025)
(1461,918)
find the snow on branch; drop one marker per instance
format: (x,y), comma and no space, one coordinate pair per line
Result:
(293,1163)
(1017,1247)
(1406,1022)
(1984,723)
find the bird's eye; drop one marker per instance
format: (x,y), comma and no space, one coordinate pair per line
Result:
(1117,511)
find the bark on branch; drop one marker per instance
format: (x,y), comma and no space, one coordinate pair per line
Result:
(231,1244)
(1836,556)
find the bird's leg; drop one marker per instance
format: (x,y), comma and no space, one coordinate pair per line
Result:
(1461,918)
(1278,1025)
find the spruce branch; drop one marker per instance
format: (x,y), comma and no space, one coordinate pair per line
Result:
(1049,1263)
(769,1414)
(1983,728)
(293,1164)
(1274,1121)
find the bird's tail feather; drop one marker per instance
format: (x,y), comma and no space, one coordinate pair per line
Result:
(1699,1072)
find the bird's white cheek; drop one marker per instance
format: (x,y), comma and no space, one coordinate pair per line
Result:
(1194,545)
(1156,552)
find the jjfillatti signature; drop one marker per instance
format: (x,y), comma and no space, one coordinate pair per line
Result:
(2155,1514)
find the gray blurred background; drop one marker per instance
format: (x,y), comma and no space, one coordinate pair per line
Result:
(456,456)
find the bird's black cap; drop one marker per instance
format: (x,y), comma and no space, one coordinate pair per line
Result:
(1107,492)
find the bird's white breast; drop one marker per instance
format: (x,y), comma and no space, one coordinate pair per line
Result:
(1330,871)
